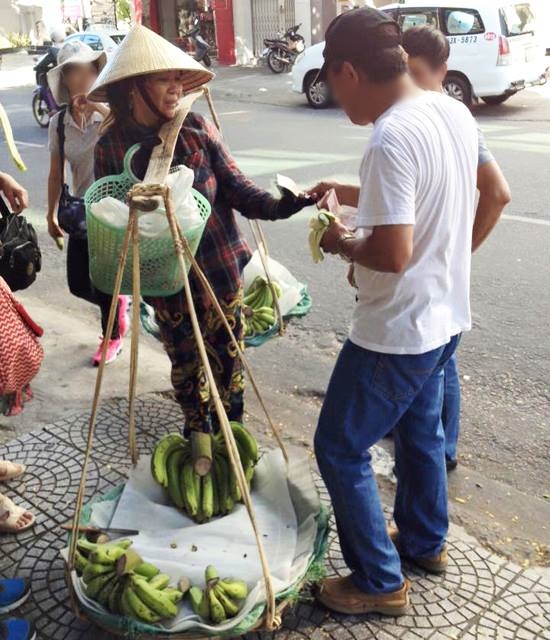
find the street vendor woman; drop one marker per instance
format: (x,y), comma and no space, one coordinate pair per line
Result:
(143,83)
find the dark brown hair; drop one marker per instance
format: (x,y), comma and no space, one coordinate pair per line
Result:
(428,43)
(380,63)
(118,97)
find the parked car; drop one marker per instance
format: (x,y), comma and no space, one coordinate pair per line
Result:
(496,49)
(101,40)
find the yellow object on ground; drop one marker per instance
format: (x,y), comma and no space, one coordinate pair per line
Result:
(318,224)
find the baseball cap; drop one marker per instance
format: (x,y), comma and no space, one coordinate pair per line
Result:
(356,33)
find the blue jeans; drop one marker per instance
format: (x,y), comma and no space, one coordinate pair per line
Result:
(451,408)
(369,395)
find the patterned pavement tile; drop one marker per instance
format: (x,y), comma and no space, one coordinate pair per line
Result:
(481,597)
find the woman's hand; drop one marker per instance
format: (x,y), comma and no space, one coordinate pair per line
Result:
(290,204)
(17,196)
(54,229)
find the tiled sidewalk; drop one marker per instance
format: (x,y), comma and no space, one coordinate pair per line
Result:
(481,597)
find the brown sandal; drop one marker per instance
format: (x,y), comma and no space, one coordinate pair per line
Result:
(14,519)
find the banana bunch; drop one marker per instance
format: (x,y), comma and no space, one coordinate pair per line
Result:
(118,579)
(259,307)
(197,473)
(318,225)
(220,600)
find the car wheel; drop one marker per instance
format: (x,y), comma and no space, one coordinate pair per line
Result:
(496,100)
(317,93)
(458,88)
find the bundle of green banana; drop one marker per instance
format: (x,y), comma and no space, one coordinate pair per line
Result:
(220,600)
(259,307)
(197,473)
(117,578)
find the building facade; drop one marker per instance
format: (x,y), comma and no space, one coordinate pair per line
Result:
(236,29)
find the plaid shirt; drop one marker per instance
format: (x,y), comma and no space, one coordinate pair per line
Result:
(223,251)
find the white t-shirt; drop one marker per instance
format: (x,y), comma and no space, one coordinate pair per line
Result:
(79,149)
(419,169)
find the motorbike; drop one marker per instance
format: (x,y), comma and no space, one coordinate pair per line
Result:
(43,103)
(199,44)
(281,52)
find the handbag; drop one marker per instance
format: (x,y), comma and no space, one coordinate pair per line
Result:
(71,211)
(20,256)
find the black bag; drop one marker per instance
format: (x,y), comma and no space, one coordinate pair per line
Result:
(20,257)
(71,211)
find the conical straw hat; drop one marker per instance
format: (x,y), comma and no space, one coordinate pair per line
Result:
(143,52)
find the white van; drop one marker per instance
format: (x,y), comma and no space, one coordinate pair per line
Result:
(497,48)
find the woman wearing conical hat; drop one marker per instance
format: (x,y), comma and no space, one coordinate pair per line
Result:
(143,83)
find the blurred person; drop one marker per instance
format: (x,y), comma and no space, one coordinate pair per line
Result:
(428,53)
(78,123)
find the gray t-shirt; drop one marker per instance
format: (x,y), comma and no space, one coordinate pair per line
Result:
(79,149)
(484,155)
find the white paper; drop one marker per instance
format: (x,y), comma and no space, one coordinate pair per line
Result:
(228,542)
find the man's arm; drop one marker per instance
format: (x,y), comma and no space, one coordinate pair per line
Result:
(494,195)
(388,249)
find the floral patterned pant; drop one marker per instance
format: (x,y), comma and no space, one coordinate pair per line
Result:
(188,375)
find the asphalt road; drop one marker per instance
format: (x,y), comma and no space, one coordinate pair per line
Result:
(501,491)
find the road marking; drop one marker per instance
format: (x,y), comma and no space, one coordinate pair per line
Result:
(34,145)
(234,113)
(526,219)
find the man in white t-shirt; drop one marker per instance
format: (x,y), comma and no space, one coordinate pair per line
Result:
(412,255)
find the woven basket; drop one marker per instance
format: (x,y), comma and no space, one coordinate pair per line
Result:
(159,268)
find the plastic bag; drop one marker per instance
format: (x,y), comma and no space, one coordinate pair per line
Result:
(292,290)
(155,223)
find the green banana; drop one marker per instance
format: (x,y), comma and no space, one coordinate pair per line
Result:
(80,563)
(164,448)
(114,602)
(221,480)
(211,574)
(217,612)
(246,441)
(161,581)
(138,608)
(155,599)
(234,589)
(189,490)
(174,594)
(199,602)
(231,608)
(94,586)
(234,489)
(105,592)
(125,607)
(207,500)
(106,554)
(86,547)
(92,571)
(249,471)
(147,570)
(173,470)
